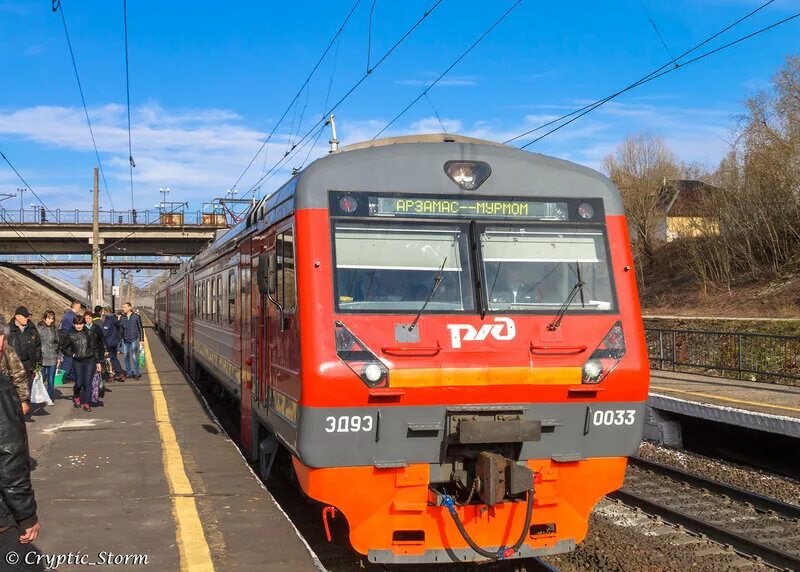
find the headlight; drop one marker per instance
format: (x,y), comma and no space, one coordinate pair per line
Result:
(592,370)
(372,373)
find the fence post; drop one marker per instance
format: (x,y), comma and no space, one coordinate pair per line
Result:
(741,356)
(673,350)
(660,349)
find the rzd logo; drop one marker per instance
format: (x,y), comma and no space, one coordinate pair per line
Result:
(503,329)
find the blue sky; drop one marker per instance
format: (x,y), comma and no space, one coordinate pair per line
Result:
(210,79)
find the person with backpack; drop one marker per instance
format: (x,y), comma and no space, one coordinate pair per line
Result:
(132,340)
(24,338)
(86,356)
(49,336)
(111,339)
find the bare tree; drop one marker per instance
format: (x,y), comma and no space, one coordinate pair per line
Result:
(639,167)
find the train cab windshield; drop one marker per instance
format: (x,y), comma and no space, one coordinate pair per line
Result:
(392,268)
(536,269)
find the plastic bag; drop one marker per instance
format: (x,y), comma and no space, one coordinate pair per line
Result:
(141,356)
(39,391)
(97,386)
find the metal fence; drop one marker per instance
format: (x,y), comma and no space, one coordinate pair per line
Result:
(76,216)
(755,357)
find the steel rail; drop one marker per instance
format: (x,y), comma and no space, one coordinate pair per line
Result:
(739,542)
(758,501)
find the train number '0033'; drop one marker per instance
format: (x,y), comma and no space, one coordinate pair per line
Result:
(614,417)
(348,424)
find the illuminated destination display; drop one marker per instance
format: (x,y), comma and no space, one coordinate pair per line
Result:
(468,208)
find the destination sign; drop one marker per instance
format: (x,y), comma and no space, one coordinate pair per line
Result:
(467,208)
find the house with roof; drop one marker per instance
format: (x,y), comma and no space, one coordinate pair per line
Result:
(687,210)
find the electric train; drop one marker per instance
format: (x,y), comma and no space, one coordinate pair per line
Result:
(443,333)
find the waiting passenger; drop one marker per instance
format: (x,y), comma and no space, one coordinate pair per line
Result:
(11,366)
(111,339)
(50,355)
(19,525)
(24,338)
(80,345)
(132,340)
(66,325)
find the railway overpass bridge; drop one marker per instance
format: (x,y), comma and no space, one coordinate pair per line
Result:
(110,239)
(79,261)
(125,233)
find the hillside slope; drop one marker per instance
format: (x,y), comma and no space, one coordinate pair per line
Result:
(18,290)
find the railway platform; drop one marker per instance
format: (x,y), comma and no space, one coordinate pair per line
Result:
(758,406)
(152,474)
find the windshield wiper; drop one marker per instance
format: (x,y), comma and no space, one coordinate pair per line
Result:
(436,281)
(578,287)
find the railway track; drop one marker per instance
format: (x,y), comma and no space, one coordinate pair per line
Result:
(752,524)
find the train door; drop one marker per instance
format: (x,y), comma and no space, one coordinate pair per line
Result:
(188,300)
(283,355)
(243,324)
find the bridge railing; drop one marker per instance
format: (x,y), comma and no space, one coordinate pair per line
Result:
(755,357)
(128,217)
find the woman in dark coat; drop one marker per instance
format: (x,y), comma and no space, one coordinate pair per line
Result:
(82,347)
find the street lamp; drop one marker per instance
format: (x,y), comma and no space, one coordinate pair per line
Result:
(21,192)
(164,192)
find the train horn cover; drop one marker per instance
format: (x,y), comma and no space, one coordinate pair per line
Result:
(469,175)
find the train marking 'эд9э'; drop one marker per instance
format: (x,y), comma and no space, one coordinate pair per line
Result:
(445,335)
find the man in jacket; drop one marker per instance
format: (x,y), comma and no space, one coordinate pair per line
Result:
(24,338)
(19,525)
(66,325)
(132,339)
(12,367)
(110,326)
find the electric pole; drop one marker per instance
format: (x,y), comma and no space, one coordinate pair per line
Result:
(97,266)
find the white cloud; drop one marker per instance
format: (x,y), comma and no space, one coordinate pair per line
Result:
(198,153)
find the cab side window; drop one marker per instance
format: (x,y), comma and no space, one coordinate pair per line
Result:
(286,293)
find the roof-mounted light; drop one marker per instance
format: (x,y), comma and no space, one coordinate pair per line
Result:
(469,175)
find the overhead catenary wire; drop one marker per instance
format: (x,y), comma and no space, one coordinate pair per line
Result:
(655,28)
(299,91)
(665,72)
(353,88)
(35,194)
(673,62)
(131,162)
(450,67)
(59,7)
(435,112)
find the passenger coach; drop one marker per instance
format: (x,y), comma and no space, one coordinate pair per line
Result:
(445,335)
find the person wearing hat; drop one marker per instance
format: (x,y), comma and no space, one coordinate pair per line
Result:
(24,338)
(12,367)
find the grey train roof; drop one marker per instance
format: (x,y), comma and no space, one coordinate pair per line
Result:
(395,165)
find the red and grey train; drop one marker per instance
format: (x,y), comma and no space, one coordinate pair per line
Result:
(444,334)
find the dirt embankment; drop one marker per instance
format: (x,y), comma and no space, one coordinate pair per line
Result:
(18,290)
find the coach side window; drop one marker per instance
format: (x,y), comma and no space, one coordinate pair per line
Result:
(286,293)
(218,301)
(231,296)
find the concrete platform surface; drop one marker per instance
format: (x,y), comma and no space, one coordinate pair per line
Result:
(151,473)
(756,405)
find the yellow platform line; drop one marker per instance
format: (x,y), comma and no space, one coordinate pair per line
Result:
(195,554)
(732,400)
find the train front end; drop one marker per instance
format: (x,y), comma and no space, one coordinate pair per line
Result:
(474,364)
